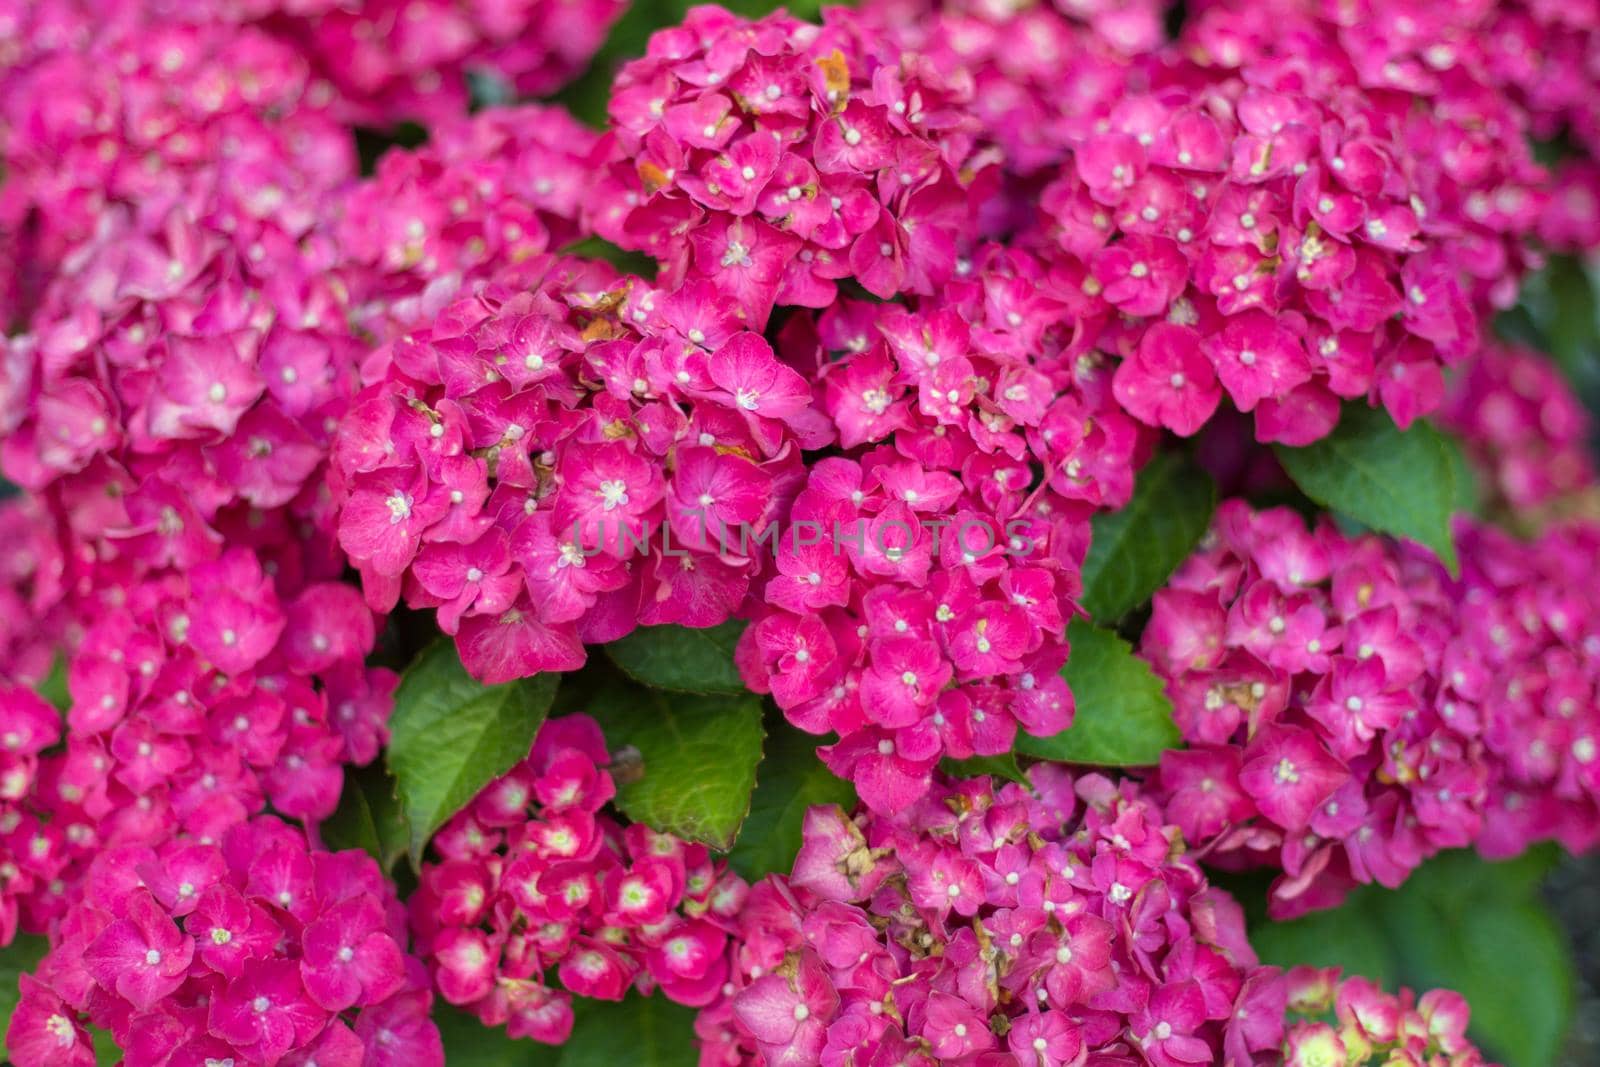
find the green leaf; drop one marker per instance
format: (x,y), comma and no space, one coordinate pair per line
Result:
(53,687)
(1123,718)
(1004,767)
(696,755)
(450,735)
(1351,937)
(1453,926)
(680,658)
(16,959)
(1569,322)
(106,1052)
(789,780)
(1136,548)
(369,817)
(1400,483)
(625,262)
(1469,490)
(469,1043)
(639,1031)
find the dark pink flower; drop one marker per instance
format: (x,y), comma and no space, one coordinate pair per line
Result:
(1168,381)
(350,959)
(142,956)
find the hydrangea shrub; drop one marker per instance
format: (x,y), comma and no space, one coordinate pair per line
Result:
(932,533)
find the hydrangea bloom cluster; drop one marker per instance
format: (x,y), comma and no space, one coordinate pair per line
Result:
(247,948)
(919,609)
(1014,56)
(559,460)
(1311,676)
(1525,649)
(34,623)
(775,158)
(148,105)
(995,925)
(1261,225)
(483,193)
(1352,710)
(385,61)
(534,881)
(1535,56)
(1522,425)
(196,701)
(1572,221)
(29,857)
(1371,1027)
(183,379)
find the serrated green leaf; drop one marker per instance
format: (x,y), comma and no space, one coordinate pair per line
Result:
(1398,482)
(1137,547)
(450,735)
(698,756)
(789,780)
(369,817)
(16,959)
(1123,719)
(1003,767)
(681,658)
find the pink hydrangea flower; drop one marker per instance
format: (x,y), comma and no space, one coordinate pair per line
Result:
(1370,1026)
(1013,58)
(532,880)
(556,464)
(997,923)
(145,106)
(1352,710)
(925,577)
(383,61)
(773,159)
(434,223)
(195,701)
(1522,426)
(259,971)
(1227,225)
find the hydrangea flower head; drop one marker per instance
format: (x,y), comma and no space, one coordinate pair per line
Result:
(251,946)
(775,158)
(1351,709)
(1370,1026)
(564,456)
(925,578)
(387,61)
(196,701)
(434,223)
(145,106)
(1255,218)
(1039,924)
(533,881)
(1522,425)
